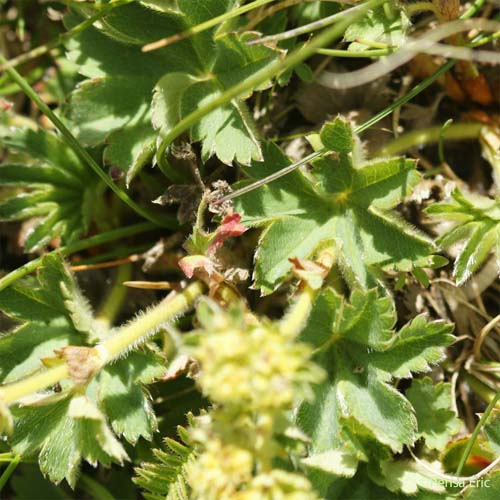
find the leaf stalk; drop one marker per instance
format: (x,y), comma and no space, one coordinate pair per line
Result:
(293,322)
(204,26)
(474,435)
(113,302)
(125,339)
(456,132)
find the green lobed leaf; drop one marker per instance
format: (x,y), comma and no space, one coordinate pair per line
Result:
(341,201)
(46,322)
(385,24)
(61,193)
(65,433)
(476,225)
(437,423)
(408,477)
(67,427)
(114,105)
(228,131)
(339,462)
(359,410)
(124,398)
(115,101)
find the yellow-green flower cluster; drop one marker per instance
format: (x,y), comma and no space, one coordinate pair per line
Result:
(220,470)
(234,461)
(278,485)
(253,372)
(224,472)
(252,365)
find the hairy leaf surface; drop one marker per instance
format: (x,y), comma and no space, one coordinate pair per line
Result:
(70,426)
(359,411)
(114,104)
(340,201)
(437,423)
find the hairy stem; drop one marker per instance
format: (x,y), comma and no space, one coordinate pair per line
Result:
(127,337)
(17,390)
(293,322)
(131,334)
(93,241)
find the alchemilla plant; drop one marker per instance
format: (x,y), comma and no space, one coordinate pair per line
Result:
(243,256)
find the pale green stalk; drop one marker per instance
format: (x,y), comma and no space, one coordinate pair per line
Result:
(441,140)
(457,132)
(113,302)
(12,392)
(352,54)
(127,337)
(9,471)
(293,322)
(476,432)
(205,25)
(372,44)
(6,457)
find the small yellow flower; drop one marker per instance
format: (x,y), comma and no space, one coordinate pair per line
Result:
(254,374)
(278,485)
(220,471)
(254,366)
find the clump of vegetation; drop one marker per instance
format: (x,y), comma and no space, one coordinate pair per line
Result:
(249,250)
